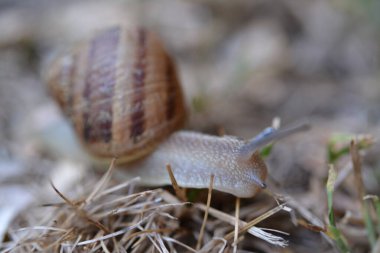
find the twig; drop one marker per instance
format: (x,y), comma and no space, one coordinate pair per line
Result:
(255,221)
(103,181)
(255,231)
(81,212)
(356,162)
(206,213)
(237,209)
(357,165)
(178,190)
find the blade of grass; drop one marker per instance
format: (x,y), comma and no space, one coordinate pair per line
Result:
(370,227)
(332,231)
(376,203)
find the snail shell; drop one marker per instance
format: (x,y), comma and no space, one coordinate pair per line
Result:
(120,89)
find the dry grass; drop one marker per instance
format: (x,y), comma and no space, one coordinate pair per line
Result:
(114,218)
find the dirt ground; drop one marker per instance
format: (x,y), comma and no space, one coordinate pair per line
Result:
(241,63)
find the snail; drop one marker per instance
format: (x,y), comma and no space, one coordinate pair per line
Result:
(121,91)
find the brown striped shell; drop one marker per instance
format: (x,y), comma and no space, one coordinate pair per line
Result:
(120,90)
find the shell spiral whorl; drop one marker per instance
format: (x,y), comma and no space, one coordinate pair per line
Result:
(120,89)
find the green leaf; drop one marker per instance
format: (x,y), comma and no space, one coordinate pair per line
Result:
(265,151)
(339,145)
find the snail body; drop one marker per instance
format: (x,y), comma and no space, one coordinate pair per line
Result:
(121,92)
(194,157)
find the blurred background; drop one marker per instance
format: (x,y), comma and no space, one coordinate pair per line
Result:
(241,64)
